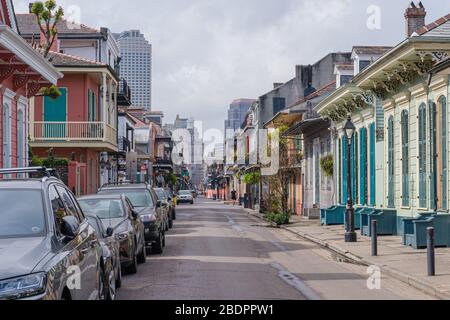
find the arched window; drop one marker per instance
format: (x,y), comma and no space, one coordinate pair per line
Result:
(20,139)
(391,160)
(6,124)
(405,158)
(422,156)
(442,165)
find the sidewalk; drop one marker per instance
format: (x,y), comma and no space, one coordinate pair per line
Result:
(402,263)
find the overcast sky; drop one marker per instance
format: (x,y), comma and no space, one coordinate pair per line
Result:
(208,52)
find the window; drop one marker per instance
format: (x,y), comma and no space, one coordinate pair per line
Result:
(422,156)
(405,157)
(6,125)
(345,79)
(363,64)
(344,170)
(391,160)
(68,201)
(58,208)
(278,104)
(372,164)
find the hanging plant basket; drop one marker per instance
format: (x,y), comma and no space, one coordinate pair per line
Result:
(327,165)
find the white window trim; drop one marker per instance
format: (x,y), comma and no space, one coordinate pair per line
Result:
(22,106)
(8,96)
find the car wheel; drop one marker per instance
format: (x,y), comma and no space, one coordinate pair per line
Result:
(101,285)
(111,292)
(157,247)
(142,256)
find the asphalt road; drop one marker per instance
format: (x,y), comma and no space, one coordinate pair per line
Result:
(217,252)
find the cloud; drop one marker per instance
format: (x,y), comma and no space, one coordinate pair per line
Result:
(208,52)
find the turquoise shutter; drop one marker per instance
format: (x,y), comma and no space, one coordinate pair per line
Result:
(372,165)
(444,152)
(363,166)
(355,168)
(344,170)
(391,169)
(422,157)
(405,158)
(433,182)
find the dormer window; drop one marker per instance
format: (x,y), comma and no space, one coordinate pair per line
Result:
(363,64)
(345,79)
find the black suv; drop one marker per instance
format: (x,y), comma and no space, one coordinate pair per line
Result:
(48,249)
(145,202)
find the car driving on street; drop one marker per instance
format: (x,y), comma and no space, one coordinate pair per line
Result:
(145,203)
(117,213)
(185,196)
(46,243)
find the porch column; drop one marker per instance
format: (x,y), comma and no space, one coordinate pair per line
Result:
(105,106)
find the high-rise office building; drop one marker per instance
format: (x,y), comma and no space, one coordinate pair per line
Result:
(236,113)
(136,66)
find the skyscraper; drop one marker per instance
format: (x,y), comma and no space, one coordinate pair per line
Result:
(236,113)
(136,66)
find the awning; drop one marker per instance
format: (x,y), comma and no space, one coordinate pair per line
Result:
(309,125)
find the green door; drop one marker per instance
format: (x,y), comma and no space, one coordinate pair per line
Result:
(55,110)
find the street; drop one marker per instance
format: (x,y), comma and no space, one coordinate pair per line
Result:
(219,252)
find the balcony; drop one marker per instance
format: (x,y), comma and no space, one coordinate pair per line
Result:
(97,135)
(124,94)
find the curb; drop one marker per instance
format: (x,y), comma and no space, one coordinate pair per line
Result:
(421,285)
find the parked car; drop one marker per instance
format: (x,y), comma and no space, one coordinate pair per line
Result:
(185,196)
(111,257)
(117,213)
(145,203)
(171,199)
(163,198)
(48,249)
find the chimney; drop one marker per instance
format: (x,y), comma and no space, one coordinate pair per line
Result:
(415,18)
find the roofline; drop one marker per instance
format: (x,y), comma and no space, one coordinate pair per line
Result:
(63,68)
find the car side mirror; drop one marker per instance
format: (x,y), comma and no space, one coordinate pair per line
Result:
(109,232)
(70,227)
(134,214)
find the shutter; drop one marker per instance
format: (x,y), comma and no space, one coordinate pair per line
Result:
(363,167)
(372,165)
(344,170)
(422,156)
(444,151)
(433,194)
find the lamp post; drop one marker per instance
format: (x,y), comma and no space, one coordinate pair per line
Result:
(350,234)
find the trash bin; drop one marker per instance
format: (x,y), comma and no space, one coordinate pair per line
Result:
(246,201)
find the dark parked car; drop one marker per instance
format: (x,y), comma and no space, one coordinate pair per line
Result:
(111,257)
(145,202)
(117,213)
(171,200)
(166,205)
(48,249)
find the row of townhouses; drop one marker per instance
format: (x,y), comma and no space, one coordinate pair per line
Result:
(397,158)
(91,133)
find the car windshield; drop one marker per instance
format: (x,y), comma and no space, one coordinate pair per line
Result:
(138,197)
(19,218)
(102,208)
(161,194)
(185,192)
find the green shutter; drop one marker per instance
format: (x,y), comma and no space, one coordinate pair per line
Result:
(444,152)
(344,170)
(363,166)
(433,162)
(391,162)
(372,165)
(422,156)
(405,158)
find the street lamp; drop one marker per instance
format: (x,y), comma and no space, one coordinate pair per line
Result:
(350,234)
